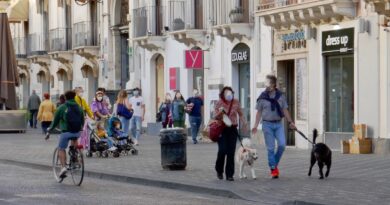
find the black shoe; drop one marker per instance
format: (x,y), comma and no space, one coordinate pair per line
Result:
(220,176)
(230,179)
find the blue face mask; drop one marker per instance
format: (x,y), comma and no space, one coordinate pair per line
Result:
(136,93)
(229,97)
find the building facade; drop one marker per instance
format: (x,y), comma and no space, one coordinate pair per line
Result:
(63,44)
(330,57)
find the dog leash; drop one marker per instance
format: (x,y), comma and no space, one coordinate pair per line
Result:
(299,132)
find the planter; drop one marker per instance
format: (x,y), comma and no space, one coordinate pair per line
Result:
(236,17)
(13,120)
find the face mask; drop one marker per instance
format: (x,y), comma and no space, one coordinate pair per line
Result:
(81,94)
(229,96)
(136,93)
(195,93)
(99,98)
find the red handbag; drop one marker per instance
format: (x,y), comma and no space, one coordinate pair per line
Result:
(215,127)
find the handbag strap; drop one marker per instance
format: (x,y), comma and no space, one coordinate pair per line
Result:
(230,107)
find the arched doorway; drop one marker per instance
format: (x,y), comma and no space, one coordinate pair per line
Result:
(160,81)
(241,79)
(24,89)
(64,82)
(90,82)
(44,79)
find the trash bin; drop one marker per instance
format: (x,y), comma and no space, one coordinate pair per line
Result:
(173,149)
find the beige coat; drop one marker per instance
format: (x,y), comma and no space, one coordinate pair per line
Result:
(46,111)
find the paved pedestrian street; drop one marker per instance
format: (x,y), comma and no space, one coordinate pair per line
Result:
(354,179)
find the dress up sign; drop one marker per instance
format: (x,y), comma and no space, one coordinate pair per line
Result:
(194,59)
(338,41)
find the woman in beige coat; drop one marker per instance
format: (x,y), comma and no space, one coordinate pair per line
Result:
(46,112)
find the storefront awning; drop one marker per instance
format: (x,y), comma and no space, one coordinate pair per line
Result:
(18,10)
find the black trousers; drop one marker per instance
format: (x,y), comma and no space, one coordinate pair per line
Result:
(45,125)
(226,149)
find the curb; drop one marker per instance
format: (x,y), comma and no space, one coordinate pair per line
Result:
(139,181)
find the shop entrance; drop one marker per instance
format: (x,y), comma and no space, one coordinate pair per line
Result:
(241,81)
(339,93)
(286,79)
(159,80)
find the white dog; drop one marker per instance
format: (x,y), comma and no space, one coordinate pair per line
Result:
(246,156)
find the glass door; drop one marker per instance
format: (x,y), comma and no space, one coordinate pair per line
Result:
(340,94)
(244,94)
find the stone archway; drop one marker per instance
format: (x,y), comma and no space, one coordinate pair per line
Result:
(90,82)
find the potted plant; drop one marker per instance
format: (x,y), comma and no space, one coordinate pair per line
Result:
(236,15)
(178,24)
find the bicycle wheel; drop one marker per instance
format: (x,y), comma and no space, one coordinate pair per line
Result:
(57,166)
(76,167)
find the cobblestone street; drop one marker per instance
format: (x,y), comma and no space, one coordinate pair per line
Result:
(354,179)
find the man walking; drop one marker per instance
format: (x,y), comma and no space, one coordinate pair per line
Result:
(33,105)
(138,105)
(271,108)
(195,105)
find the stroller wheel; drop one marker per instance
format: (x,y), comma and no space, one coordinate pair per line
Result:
(115,154)
(99,154)
(89,154)
(134,152)
(105,154)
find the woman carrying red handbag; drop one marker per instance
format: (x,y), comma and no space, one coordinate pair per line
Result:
(230,107)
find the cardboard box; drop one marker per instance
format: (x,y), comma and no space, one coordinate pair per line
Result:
(361,146)
(344,146)
(360,131)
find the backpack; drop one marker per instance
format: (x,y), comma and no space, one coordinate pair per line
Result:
(73,117)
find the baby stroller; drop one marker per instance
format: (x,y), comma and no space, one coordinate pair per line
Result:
(97,146)
(121,139)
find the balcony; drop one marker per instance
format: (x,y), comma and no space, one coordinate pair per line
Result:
(20,47)
(381,6)
(85,40)
(287,13)
(230,20)
(60,39)
(183,25)
(61,46)
(148,27)
(38,45)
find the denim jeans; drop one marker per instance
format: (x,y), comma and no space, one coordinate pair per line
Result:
(135,126)
(65,137)
(33,118)
(108,141)
(274,131)
(195,125)
(125,124)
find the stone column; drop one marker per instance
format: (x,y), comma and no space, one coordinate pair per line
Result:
(116,58)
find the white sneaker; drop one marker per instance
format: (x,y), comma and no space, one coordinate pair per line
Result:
(136,142)
(63,172)
(113,148)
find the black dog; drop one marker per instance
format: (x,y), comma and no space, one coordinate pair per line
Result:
(322,154)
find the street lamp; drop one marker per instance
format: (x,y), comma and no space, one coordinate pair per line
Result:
(84,2)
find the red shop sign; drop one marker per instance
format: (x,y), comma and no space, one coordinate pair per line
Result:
(194,59)
(174,78)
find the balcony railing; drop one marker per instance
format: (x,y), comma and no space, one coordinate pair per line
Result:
(85,34)
(38,44)
(60,39)
(20,47)
(148,21)
(271,4)
(224,12)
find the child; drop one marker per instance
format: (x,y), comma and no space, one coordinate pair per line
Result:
(102,135)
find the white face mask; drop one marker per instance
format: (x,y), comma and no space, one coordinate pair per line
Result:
(136,93)
(81,94)
(195,93)
(229,95)
(99,98)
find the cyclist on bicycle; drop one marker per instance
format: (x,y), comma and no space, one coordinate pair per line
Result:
(70,117)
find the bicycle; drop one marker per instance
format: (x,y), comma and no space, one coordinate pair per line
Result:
(74,163)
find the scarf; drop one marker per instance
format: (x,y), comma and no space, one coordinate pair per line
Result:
(274,101)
